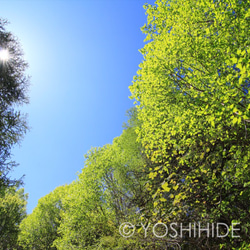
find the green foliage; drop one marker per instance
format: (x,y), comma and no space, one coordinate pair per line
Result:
(193,104)
(183,155)
(13,85)
(12,212)
(87,213)
(39,229)
(108,191)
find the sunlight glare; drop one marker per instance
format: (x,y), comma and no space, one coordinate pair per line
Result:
(4,55)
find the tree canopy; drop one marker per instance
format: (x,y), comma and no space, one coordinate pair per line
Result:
(13,92)
(13,125)
(183,154)
(193,104)
(12,212)
(87,213)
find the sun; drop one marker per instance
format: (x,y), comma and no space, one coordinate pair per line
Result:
(4,55)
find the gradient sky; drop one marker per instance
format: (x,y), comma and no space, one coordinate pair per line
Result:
(82,57)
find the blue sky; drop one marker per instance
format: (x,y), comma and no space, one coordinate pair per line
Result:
(82,57)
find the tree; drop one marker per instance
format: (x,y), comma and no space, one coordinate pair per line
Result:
(40,228)
(109,190)
(12,212)
(13,86)
(192,90)
(104,195)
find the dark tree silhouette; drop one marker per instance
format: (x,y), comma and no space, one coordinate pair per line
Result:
(13,86)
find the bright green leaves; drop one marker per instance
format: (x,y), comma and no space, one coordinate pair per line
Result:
(186,157)
(87,213)
(152,175)
(40,228)
(165,187)
(12,212)
(193,104)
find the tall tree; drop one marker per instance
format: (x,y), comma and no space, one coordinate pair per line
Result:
(12,212)
(193,99)
(13,86)
(40,228)
(109,191)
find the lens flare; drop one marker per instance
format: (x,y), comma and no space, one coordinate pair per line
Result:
(4,55)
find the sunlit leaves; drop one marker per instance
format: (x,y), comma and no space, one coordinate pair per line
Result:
(12,212)
(109,190)
(40,228)
(193,101)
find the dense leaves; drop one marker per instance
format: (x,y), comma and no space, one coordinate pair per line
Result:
(183,156)
(13,86)
(87,213)
(12,212)
(193,103)
(39,229)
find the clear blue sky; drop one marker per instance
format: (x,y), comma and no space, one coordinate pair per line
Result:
(82,57)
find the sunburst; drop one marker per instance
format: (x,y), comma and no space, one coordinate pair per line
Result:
(4,55)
